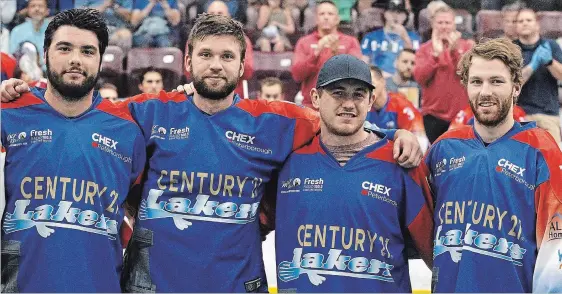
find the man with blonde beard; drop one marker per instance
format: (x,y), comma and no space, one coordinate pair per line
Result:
(497,188)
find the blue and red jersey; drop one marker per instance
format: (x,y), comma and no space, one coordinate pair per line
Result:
(342,229)
(498,213)
(7,66)
(197,226)
(65,181)
(397,113)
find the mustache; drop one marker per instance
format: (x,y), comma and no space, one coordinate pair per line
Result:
(75,70)
(488,99)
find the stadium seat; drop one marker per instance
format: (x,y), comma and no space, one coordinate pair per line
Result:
(489,24)
(113,59)
(551,24)
(168,60)
(112,67)
(273,65)
(463,20)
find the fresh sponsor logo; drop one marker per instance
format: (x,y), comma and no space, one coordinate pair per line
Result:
(179,133)
(313,185)
(41,136)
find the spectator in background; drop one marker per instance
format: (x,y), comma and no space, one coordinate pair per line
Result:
(362,5)
(117,15)
(54,5)
(314,49)
(151,81)
(218,7)
(301,5)
(509,19)
(157,21)
(537,5)
(236,8)
(271,89)
(109,92)
(275,23)
(33,29)
(443,95)
(392,110)
(382,46)
(542,71)
(403,79)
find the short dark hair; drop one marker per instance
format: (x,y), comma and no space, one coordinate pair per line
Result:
(318,2)
(513,7)
(409,50)
(376,70)
(82,18)
(46,3)
(270,81)
(108,86)
(146,70)
(208,25)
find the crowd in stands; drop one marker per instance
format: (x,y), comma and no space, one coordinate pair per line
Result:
(414,47)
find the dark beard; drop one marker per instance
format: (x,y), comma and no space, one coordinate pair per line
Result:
(496,120)
(70,92)
(213,94)
(404,77)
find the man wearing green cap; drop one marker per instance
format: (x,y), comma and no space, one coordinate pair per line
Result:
(344,207)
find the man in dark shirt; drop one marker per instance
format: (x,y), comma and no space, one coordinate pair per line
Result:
(543,68)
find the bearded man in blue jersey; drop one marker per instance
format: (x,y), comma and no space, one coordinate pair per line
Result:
(71,159)
(210,155)
(497,187)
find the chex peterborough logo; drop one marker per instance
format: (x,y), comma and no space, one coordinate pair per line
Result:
(108,145)
(377,191)
(245,141)
(514,172)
